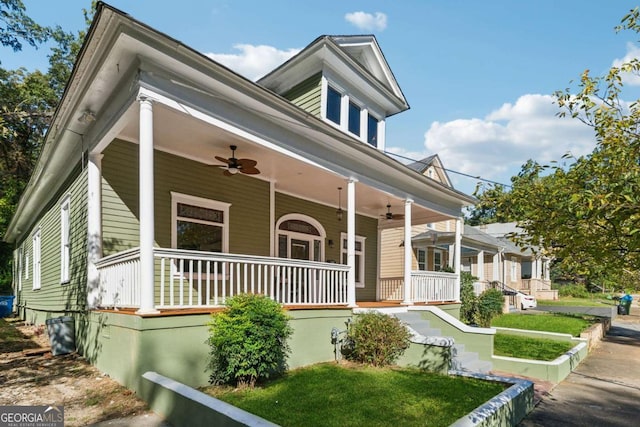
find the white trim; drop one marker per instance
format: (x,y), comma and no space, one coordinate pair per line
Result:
(272,218)
(200,202)
(361,253)
(301,236)
(20,266)
(65,239)
(408,253)
(36,248)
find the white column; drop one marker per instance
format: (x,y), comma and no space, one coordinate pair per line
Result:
(450,255)
(351,243)
(272,218)
(459,225)
(94,227)
(537,273)
(496,266)
(408,253)
(547,273)
(147,226)
(480,262)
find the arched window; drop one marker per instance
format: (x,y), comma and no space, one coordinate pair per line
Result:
(300,237)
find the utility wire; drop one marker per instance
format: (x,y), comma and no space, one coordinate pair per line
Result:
(448,170)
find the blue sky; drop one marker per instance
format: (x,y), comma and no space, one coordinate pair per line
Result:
(477,74)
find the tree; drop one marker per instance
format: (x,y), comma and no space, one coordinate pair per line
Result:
(29,100)
(15,26)
(586,214)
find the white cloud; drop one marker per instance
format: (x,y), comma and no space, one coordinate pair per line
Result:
(367,21)
(496,146)
(633,52)
(253,62)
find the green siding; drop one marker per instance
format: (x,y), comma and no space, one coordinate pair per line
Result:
(249,199)
(54,296)
(326,215)
(306,95)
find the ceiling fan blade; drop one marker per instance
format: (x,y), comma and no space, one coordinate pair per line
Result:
(246,163)
(222,159)
(249,170)
(398,216)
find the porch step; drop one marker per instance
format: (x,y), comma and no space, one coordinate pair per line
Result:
(418,324)
(467,360)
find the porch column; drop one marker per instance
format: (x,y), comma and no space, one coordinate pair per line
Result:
(480,262)
(351,242)
(94,227)
(547,273)
(537,273)
(146,190)
(408,253)
(496,266)
(450,254)
(459,225)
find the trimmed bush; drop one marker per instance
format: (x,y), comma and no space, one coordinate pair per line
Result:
(248,341)
(469,302)
(377,339)
(490,305)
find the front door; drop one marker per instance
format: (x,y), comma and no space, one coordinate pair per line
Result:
(300,249)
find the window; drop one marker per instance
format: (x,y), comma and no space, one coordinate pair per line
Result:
(437,260)
(199,224)
(354,119)
(300,237)
(36,260)
(359,257)
(422,259)
(334,101)
(372,130)
(65,239)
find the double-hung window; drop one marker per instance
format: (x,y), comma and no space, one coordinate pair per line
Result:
(372,130)
(359,257)
(65,239)
(334,104)
(437,260)
(199,224)
(354,119)
(36,260)
(422,259)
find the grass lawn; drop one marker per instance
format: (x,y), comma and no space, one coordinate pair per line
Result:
(529,348)
(551,322)
(333,395)
(573,301)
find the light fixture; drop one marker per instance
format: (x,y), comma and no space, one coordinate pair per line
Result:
(339,212)
(330,243)
(87,117)
(232,170)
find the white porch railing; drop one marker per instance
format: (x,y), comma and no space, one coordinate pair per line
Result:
(204,279)
(426,286)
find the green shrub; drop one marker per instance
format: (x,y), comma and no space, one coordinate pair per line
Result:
(490,304)
(377,339)
(469,301)
(576,291)
(248,341)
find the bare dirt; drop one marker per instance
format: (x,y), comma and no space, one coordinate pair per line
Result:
(31,375)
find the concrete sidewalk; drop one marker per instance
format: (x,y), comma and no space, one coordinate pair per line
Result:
(605,388)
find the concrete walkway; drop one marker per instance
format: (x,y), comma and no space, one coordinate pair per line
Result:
(605,388)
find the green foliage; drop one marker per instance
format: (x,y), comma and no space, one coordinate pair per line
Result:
(490,304)
(330,394)
(377,339)
(17,26)
(562,323)
(584,210)
(469,313)
(529,348)
(577,291)
(248,340)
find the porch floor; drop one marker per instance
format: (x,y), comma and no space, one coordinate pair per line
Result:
(208,310)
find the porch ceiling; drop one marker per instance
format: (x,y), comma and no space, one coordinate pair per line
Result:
(183,135)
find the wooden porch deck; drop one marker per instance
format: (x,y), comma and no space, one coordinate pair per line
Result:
(209,310)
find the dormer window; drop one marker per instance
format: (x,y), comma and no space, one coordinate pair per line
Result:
(354,119)
(372,130)
(348,113)
(334,101)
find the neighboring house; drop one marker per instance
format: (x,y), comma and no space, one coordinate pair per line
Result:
(534,276)
(490,256)
(168,183)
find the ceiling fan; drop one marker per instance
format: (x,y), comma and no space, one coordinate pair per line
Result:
(389,216)
(234,165)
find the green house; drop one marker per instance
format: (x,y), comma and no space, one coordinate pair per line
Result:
(168,183)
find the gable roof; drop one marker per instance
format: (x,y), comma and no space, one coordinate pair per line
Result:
(421,166)
(358,58)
